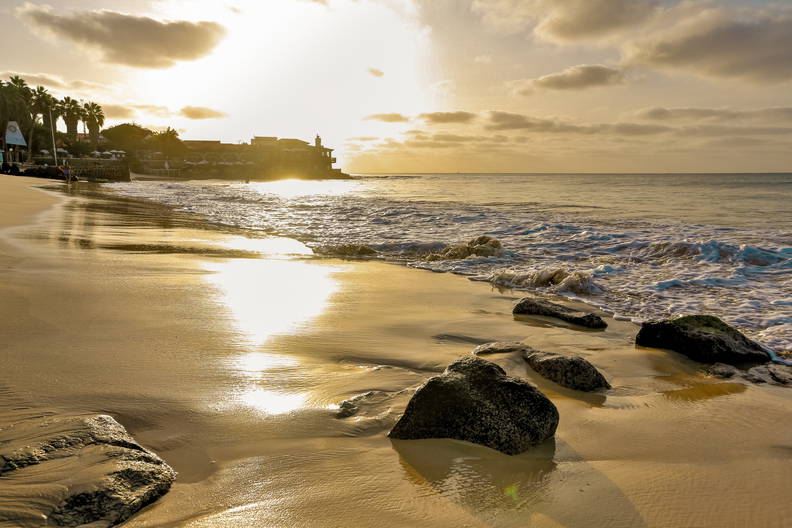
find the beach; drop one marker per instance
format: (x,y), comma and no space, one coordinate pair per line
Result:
(227,351)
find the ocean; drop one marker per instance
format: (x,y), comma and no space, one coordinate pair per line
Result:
(640,246)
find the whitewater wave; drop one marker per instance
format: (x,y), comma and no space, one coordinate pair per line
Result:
(553,279)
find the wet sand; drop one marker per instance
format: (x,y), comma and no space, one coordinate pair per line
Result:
(227,355)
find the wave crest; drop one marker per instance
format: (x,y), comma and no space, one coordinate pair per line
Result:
(553,278)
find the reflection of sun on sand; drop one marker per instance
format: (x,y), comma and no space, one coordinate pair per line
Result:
(225,354)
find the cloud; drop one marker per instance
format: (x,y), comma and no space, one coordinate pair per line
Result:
(444,89)
(115,111)
(437,118)
(753,45)
(54,82)
(564,20)
(363,138)
(375,72)
(200,112)
(137,41)
(121,111)
(721,131)
(442,140)
(388,118)
(482,59)
(509,121)
(577,77)
(771,114)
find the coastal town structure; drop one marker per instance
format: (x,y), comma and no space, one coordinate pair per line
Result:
(263,157)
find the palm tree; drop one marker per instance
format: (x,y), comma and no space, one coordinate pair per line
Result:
(39,106)
(71,111)
(94,119)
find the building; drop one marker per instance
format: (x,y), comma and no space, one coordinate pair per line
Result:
(264,157)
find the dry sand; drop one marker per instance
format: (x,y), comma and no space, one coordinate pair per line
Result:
(227,356)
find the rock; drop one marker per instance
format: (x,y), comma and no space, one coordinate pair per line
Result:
(481,246)
(770,373)
(460,338)
(108,476)
(501,347)
(351,406)
(531,306)
(703,338)
(572,372)
(781,374)
(758,374)
(721,370)
(347,250)
(475,401)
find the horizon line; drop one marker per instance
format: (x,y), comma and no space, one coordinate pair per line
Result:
(583,173)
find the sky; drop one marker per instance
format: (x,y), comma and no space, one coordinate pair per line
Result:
(435,85)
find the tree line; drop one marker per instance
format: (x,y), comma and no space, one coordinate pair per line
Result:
(36,110)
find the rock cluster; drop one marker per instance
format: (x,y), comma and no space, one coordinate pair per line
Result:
(532,306)
(770,373)
(475,401)
(481,246)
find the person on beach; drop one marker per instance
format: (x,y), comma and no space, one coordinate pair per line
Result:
(66,170)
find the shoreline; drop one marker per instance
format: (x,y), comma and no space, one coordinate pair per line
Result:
(227,356)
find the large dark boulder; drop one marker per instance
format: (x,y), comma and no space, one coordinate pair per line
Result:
(572,372)
(703,338)
(475,401)
(531,306)
(101,475)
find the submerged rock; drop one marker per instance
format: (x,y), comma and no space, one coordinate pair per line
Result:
(105,476)
(348,250)
(532,306)
(475,401)
(572,372)
(351,406)
(481,246)
(770,373)
(703,338)
(721,370)
(501,347)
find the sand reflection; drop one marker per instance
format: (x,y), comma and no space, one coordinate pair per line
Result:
(265,298)
(269,297)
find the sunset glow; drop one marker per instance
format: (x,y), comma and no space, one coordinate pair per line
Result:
(413,85)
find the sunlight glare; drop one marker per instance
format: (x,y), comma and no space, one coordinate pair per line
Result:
(294,188)
(272,402)
(270,246)
(268,297)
